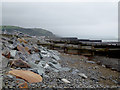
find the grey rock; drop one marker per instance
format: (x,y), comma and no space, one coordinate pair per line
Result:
(13,53)
(10,76)
(55,57)
(94,79)
(56,66)
(92,62)
(65,69)
(35,57)
(75,71)
(41,71)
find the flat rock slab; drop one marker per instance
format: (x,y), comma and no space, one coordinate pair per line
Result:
(28,76)
(22,49)
(20,63)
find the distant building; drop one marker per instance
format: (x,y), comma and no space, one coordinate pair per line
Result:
(4,32)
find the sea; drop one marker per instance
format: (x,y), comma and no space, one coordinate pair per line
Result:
(110,40)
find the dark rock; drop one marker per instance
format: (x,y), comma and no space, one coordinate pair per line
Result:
(6,54)
(19,63)
(34,70)
(103,77)
(94,79)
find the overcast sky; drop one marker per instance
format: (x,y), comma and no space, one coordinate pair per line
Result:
(93,20)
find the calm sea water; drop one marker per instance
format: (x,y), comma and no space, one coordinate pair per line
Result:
(109,40)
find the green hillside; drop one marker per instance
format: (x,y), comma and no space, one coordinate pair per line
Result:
(29,31)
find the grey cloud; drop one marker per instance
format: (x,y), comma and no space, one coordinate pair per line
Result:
(85,20)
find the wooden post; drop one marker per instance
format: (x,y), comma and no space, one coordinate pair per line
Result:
(79,47)
(53,45)
(107,50)
(92,50)
(65,48)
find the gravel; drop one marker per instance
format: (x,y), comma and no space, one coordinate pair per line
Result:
(54,79)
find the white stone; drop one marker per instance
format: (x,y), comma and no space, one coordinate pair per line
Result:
(83,75)
(46,65)
(13,53)
(65,80)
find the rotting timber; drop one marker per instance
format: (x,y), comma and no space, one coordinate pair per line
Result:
(89,48)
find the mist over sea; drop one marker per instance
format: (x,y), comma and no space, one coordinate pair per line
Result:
(103,40)
(109,40)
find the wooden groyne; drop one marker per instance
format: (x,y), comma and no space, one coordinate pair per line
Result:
(87,48)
